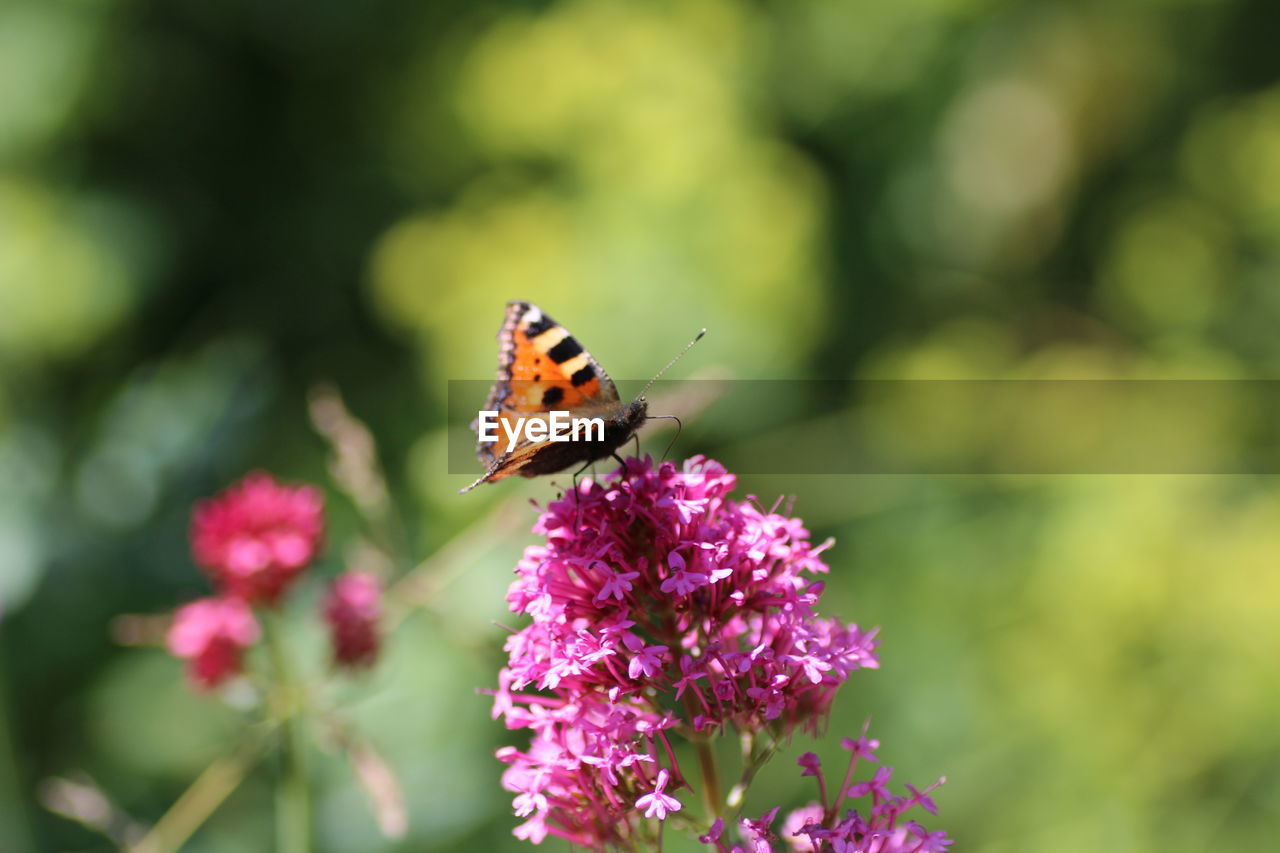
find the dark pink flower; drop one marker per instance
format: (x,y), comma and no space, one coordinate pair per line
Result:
(257,536)
(211,634)
(352,610)
(877,786)
(879,828)
(713,834)
(861,747)
(616,584)
(656,600)
(758,833)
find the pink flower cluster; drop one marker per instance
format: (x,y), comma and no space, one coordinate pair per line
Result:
(352,609)
(658,604)
(254,540)
(210,634)
(819,828)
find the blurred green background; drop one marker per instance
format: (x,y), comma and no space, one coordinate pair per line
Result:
(206,207)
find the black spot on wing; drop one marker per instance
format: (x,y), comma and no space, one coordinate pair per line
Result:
(583,376)
(565,350)
(552,395)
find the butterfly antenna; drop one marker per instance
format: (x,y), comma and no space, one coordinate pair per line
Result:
(687,347)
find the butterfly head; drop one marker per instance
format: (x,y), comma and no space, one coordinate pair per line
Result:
(635,412)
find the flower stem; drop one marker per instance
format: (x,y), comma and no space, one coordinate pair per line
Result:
(838,799)
(206,793)
(710,778)
(293,795)
(752,761)
(707,765)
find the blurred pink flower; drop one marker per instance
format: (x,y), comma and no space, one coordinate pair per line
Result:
(211,634)
(796,821)
(352,610)
(257,536)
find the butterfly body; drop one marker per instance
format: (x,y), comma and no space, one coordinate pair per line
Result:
(543,369)
(619,426)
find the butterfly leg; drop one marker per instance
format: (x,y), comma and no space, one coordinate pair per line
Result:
(577,498)
(621,462)
(636,438)
(576,473)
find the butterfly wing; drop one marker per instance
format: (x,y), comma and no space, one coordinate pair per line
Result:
(541,368)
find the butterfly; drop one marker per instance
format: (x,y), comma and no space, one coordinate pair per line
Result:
(543,369)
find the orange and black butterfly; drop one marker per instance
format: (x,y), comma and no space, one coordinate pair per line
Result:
(541,369)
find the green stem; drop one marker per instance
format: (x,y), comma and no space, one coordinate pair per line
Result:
(200,800)
(710,778)
(293,795)
(752,761)
(707,764)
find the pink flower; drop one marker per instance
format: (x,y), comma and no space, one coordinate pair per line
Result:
(819,828)
(655,601)
(795,824)
(758,833)
(645,660)
(616,585)
(681,581)
(657,804)
(211,634)
(879,829)
(352,610)
(256,537)
(713,834)
(862,747)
